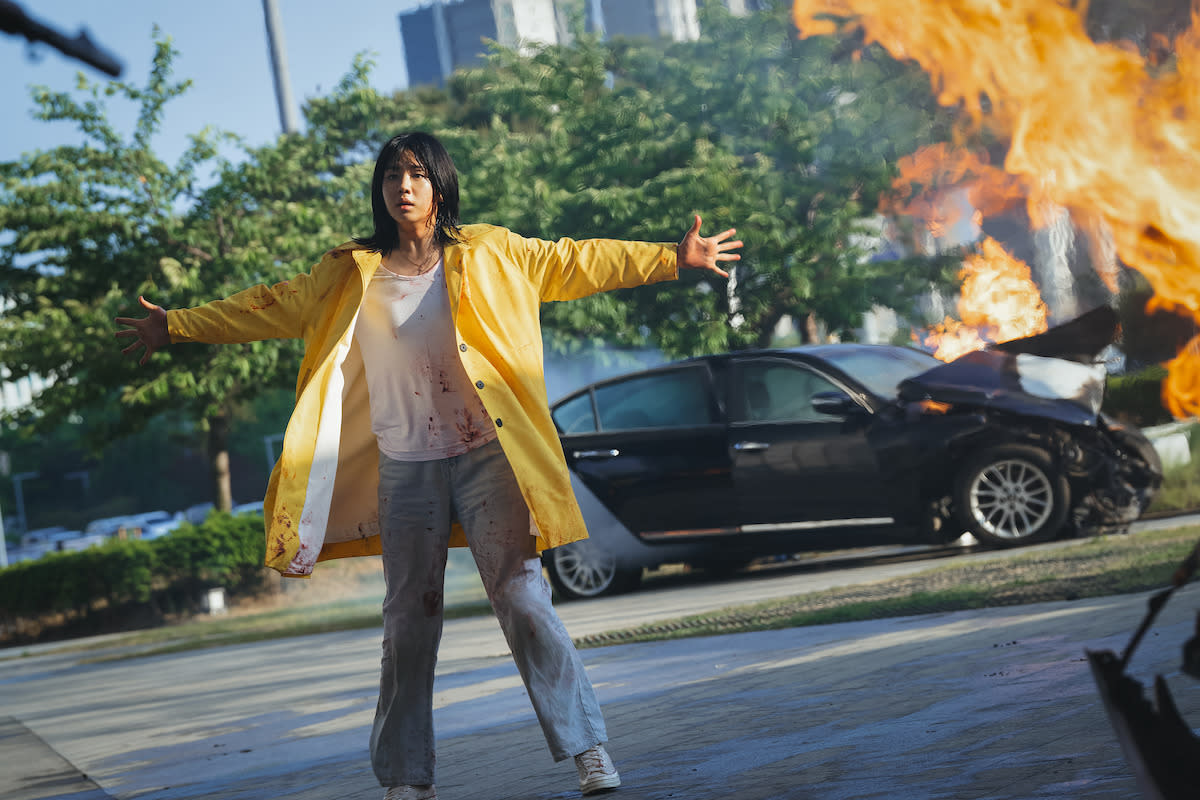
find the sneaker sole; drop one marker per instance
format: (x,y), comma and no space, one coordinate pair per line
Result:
(604,783)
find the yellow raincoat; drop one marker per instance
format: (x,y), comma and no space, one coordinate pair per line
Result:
(322,499)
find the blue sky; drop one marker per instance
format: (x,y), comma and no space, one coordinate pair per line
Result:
(223,50)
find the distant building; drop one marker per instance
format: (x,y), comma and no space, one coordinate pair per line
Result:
(448,34)
(15,394)
(668,19)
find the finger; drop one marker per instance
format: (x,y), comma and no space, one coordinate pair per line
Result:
(695,229)
(734,245)
(146,304)
(729,257)
(719,271)
(724,234)
(130,348)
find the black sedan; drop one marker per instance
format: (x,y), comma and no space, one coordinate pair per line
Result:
(718,460)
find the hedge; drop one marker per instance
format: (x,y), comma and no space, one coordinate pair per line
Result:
(134,577)
(1136,398)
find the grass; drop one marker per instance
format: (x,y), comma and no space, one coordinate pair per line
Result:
(1181,482)
(1180,489)
(1098,567)
(1095,567)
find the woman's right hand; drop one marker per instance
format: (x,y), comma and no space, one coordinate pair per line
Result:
(149,332)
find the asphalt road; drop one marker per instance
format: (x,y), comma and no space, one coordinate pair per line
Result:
(288,718)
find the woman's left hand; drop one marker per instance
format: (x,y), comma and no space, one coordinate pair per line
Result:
(704,252)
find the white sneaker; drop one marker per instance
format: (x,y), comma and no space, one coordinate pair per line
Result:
(411,793)
(596,771)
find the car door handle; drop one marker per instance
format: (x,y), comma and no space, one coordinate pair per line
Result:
(749,447)
(596,453)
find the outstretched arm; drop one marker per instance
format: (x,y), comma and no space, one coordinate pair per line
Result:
(700,252)
(149,332)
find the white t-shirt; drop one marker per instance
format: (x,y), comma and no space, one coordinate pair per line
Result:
(423,406)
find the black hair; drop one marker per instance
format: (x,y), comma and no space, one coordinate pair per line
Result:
(439,168)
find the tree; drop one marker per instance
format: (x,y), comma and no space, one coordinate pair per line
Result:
(92,226)
(790,140)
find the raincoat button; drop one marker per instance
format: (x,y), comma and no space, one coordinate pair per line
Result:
(499,422)
(478,384)
(462,347)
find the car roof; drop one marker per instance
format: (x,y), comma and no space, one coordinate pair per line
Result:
(813,351)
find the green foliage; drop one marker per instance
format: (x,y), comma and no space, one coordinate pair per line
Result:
(167,574)
(789,140)
(750,127)
(225,550)
(1136,398)
(793,151)
(93,226)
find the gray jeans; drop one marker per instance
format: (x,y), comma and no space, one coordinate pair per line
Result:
(417,502)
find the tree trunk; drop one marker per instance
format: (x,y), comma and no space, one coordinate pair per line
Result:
(766,331)
(812,330)
(218,459)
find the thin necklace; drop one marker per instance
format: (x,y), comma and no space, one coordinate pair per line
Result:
(425,264)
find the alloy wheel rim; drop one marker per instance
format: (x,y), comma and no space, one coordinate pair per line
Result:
(1011,499)
(585,570)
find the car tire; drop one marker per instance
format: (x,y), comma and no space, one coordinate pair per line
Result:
(1011,495)
(583,569)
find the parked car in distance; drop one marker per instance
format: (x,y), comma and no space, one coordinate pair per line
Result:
(157,528)
(106,526)
(248,508)
(718,460)
(198,513)
(41,536)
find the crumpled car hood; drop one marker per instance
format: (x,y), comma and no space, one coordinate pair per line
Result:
(1065,391)
(1050,374)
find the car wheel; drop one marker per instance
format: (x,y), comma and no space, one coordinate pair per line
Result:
(583,569)
(1011,495)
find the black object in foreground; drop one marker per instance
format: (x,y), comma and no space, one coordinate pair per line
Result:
(1158,744)
(13,19)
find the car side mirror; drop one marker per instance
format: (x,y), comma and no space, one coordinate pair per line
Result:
(837,404)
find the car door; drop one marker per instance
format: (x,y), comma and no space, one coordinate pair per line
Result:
(653,448)
(796,466)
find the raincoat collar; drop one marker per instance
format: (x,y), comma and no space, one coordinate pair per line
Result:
(368,262)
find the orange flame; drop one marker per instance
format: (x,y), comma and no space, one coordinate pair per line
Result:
(927,177)
(999,301)
(1089,124)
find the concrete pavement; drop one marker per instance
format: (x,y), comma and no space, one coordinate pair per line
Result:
(996,703)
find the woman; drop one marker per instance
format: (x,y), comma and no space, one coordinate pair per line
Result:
(421,422)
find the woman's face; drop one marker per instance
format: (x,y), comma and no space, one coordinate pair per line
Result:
(408,194)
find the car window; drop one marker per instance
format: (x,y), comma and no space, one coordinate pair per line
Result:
(776,391)
(672,399)
(882,369)
(575,415)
